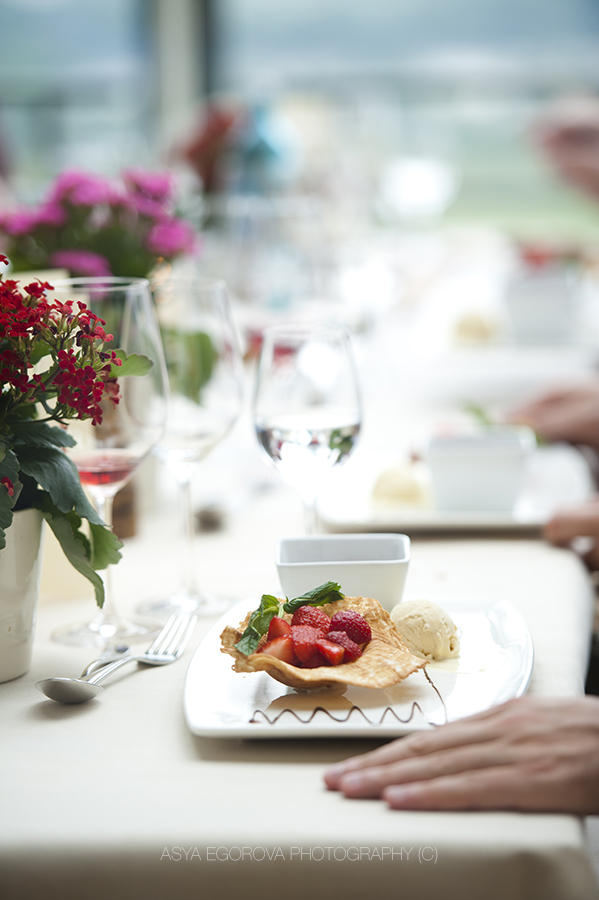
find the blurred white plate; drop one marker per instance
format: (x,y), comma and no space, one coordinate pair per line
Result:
(556,476)
(495,664)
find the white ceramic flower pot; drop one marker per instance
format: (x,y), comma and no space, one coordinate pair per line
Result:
(20,572)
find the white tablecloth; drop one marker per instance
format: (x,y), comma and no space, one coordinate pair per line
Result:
(118,799)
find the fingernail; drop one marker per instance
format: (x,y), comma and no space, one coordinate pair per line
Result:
(353,781)
(397,794)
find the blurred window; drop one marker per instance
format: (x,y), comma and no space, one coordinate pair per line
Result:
(76,87)
(450,81)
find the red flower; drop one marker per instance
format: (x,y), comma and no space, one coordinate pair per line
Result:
(78,376)
(10,488)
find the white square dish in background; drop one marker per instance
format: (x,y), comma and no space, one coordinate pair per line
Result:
(364,565)
(482,471)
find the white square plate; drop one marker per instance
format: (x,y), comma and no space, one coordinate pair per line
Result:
(495,664)
(556,476)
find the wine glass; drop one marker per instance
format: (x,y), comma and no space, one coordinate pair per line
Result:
(206,378)
(307,407)
(107,454)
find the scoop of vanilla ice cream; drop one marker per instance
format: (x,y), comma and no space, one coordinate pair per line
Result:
(427,629)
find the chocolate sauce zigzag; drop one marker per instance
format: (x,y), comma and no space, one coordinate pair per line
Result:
(344,718)
(347,716)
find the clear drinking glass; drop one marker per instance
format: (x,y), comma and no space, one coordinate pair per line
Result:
(108,454)
(206,378)
(306,407)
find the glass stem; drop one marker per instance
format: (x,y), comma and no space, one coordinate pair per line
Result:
(310,510)
(108,613)
(188,582)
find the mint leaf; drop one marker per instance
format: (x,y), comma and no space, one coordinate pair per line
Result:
(258,624)
(324,593)
(270,607)
(74,543)
(134,364)
(58,475)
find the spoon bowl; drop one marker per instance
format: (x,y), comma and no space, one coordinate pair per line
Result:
(69,690)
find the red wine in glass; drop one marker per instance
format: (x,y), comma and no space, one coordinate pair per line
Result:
(105,468)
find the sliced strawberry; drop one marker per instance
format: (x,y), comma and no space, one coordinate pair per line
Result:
(305,640)
(353,624)
(278,627)
(332,652)
(352,650)
(281,648)
(312,616)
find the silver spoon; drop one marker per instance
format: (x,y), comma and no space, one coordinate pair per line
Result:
(80,690)
(167,647)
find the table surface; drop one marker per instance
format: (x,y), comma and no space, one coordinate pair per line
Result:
(118,798)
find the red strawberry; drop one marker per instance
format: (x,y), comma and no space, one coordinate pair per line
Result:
(312,616)
(332,652)
(281,648)
(352,651)
(353,624)
(277,628)
(305,640)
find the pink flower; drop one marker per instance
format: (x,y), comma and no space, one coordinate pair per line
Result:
(20,221)
(153,209)
(80,189)
(171,236)
(53,214)
(154,185)
(81,262)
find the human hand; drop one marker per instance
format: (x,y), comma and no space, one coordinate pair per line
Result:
(569,138)
(569,414)
(579,521)
(528,754)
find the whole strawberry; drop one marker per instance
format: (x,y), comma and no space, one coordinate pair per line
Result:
(353,624)
(312,616)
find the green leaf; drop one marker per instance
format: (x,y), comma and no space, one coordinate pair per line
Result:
(74,543)
(105,546)
(58,475)
(9,468)
(479,414)
(40,434)
(190,359)
(258,624)
(40,350)
(319,596)
(134,364)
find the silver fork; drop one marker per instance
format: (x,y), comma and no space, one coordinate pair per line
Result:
(166,648)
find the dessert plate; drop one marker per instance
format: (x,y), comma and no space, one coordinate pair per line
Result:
(495,664)
(556,476)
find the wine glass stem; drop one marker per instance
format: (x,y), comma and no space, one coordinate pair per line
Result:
(188,584)
(108,612)
(310,511)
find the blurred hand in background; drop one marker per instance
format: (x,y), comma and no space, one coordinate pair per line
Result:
(568,135)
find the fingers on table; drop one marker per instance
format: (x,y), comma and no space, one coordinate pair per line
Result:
(582,521)
(478,729)
(373,781)
(498,787)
